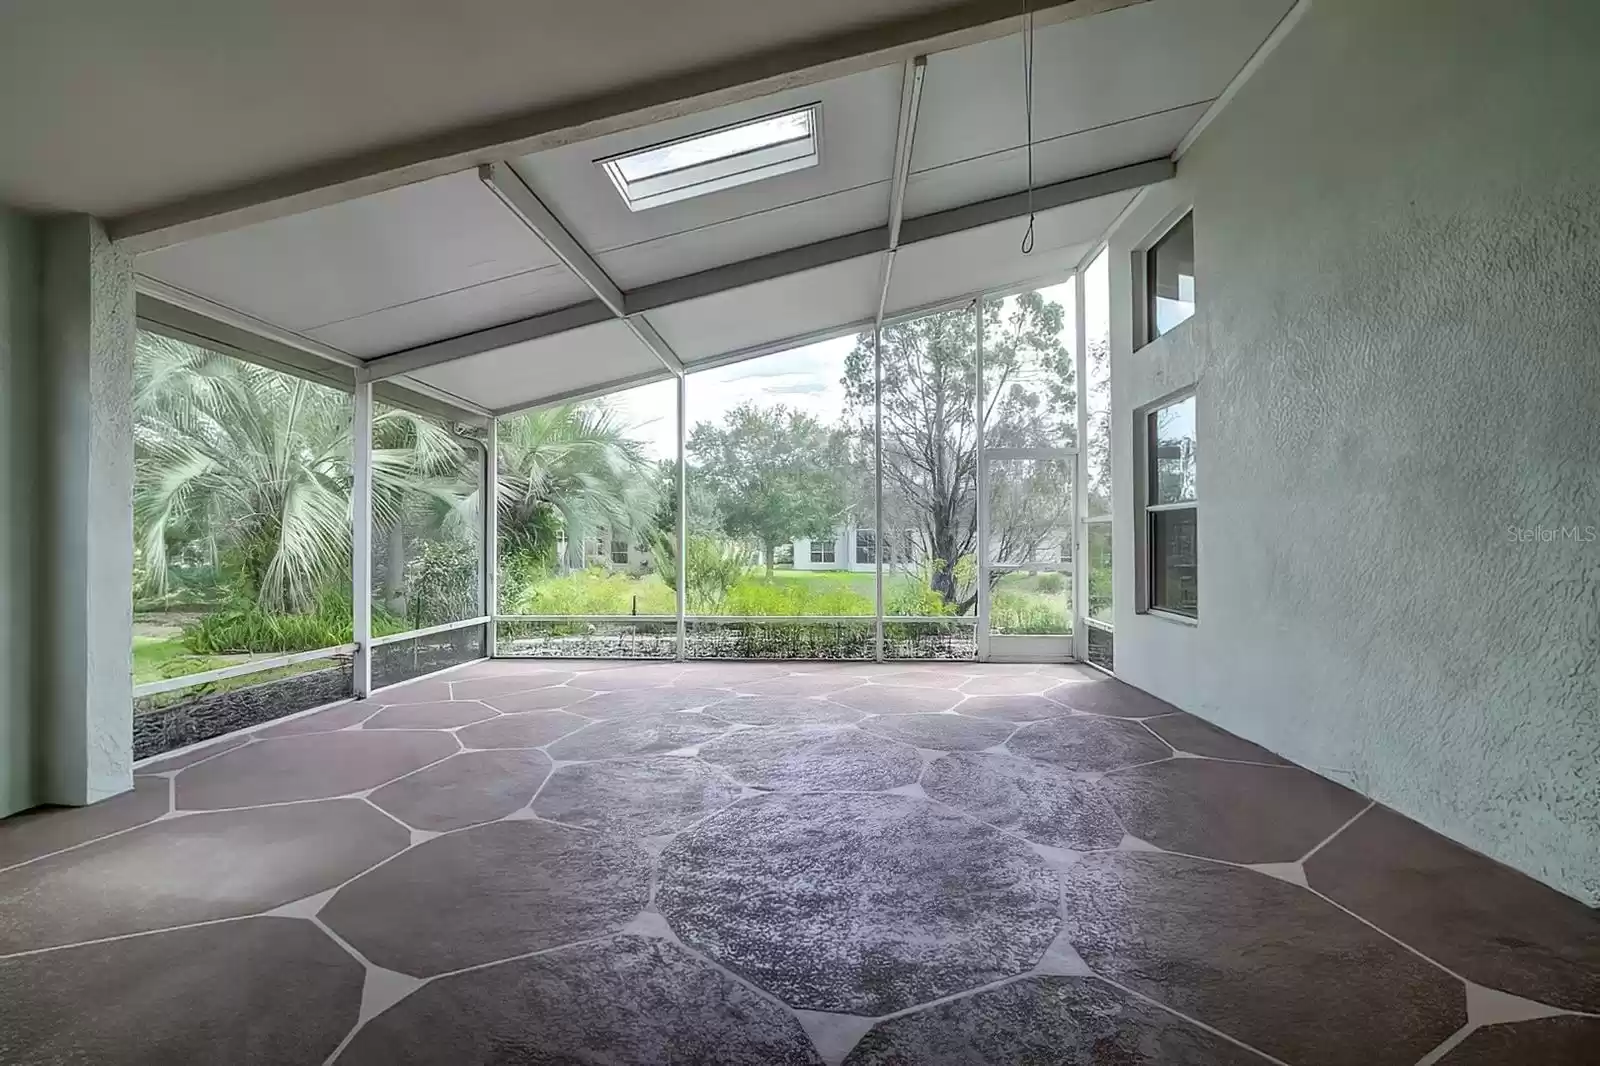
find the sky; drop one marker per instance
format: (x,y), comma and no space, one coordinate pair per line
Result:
(807,378)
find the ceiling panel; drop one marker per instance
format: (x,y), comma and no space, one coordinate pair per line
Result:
(548,367)
(1075,155)
(356,257)
(453,313)
(1091,72)
(860,115)
(774,310)
(750,236)
(990,257)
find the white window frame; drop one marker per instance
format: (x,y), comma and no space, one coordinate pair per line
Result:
(720,172)
(1145,480)
(824,551)
(1143,327)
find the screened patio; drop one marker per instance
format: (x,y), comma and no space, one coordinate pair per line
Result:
(912,253)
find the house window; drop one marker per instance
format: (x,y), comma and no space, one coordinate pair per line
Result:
(619,551)
(1169,279)
(1171,509)
(866,546)
(720,159)
(822,551)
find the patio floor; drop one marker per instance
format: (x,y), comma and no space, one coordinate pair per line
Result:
(739,863)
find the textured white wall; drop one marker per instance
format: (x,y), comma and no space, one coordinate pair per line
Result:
(87,341)
(1397,360)
(19,463)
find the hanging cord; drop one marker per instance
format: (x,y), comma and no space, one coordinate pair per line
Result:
(1027,109)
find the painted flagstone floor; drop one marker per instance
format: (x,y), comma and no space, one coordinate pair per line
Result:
(766,864)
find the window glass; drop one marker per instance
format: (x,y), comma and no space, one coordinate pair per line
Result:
(579,484)
(1170,278)
(866,547)
(241,523)
(780,458)
(427,529)
(930,460)
(1099,551)
(1172,453)
(1030,394)
(1097,387)
(1174,583)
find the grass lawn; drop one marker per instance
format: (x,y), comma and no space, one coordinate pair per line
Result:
(158,658)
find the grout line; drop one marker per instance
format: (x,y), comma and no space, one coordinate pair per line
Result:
(1188,1018)
(1448,1044)
(1348,823)
(131,936)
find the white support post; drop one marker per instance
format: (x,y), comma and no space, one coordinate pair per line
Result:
(491,533)
(1080,477)
(361,538)
(983,482)
(877,483)
(682,532)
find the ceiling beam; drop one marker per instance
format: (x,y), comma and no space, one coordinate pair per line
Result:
(656,343)
(905,138)
(508,185)
(776,265)
(364,173)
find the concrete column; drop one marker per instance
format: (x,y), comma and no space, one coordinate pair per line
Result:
(19,500)
(87,335)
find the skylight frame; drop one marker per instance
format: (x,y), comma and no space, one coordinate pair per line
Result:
(730,170)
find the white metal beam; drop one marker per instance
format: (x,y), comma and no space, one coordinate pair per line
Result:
(657,344)
(508,185)
(776,265)
(361,539)
(905,137)
(630,107)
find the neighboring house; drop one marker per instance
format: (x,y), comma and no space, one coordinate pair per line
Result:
(853,548)
(619,555)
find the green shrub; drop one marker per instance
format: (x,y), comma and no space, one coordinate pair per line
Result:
(244,628)
(802,597)
(1018,612)
(442,583)
(1052,584)
(596,591)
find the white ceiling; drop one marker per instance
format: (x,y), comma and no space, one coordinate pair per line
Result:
(991,257)
(1088,73)
(784,307)
(551,366)
(108,106)
(444,258)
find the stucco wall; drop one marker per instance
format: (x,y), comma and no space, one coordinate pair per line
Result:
(1397,361)
(19,298)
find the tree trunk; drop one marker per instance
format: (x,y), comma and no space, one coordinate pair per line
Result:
(767,552)
(394,573)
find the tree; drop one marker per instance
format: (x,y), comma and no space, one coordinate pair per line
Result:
(571,471)
(774,473)
(929,428)
(246,470)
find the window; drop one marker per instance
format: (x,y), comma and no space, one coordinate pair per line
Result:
(619,552)
(822,551)
(1171,509)
(721,159)
(1169,279)
(866,546)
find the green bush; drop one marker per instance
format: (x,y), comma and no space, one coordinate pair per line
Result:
(1051,584)
(596,591)
(1018,612)
(795,596)
(442,583)
(244,628)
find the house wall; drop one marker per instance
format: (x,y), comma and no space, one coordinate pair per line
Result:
(19,546)
(1397,363)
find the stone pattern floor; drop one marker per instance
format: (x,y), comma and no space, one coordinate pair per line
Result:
(764,864)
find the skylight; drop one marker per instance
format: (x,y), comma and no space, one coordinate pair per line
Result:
(721,159)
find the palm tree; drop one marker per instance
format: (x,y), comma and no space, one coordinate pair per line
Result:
(247,470)
(571,471)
